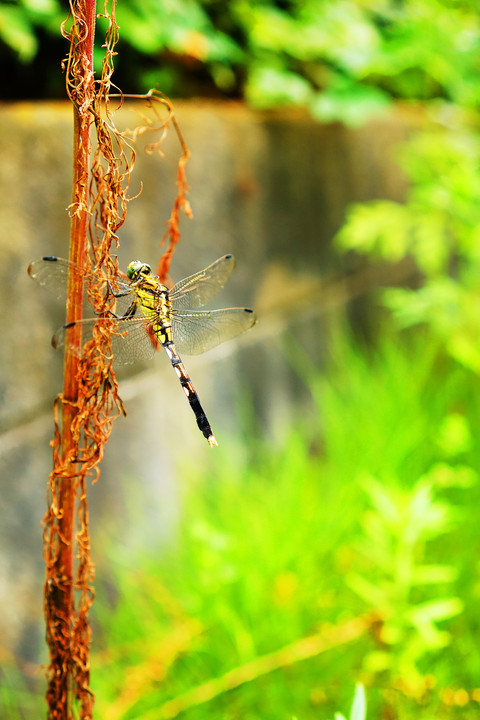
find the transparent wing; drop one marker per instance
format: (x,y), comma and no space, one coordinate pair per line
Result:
(133,339)
(52,273)
(195,332)
(198,289)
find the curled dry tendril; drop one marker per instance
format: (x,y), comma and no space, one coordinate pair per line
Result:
(84,413)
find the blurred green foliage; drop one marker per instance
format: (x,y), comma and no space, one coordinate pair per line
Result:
(277,542)
(359,706)
(341,60)
(369,505)
(20,22)
(438,227)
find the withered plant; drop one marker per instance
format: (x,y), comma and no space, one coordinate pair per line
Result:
(84,412)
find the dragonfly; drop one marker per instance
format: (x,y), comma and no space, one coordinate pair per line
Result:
(156,317)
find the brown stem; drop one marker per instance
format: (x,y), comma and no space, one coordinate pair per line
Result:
(59,590)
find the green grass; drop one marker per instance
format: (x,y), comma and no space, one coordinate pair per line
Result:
(368,505)
(367,508)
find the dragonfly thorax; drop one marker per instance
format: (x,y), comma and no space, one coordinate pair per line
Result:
(137,270)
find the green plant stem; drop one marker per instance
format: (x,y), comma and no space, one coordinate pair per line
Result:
(286,656)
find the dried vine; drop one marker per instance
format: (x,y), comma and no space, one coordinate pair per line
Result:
(85,411)
(153,100)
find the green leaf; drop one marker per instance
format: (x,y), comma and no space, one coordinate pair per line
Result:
(380,227)
(436,610)
(372,593)
(350,103)
(17,32)
(452,476)
(270,86)
(41,7)
(359,705)
(432,574)
(454,436)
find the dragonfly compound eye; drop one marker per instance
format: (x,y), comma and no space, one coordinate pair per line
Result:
(134,268)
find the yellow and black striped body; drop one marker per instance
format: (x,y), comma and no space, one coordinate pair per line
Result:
(152,298)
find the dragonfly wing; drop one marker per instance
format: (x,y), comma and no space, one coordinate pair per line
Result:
(198,289)
(197,332)
(132,340)
(52,273)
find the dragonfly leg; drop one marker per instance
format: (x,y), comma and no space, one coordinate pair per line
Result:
(190,392)
(130,312)
(132,309)
(119,294)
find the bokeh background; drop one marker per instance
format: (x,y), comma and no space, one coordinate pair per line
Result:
(331,541)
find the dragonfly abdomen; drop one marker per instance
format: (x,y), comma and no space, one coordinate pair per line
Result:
(190,392)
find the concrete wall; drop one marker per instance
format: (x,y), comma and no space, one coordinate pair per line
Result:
(272,189)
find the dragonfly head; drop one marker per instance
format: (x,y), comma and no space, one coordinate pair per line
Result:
(137,269)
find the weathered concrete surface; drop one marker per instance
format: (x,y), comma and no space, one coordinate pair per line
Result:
(272,189)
